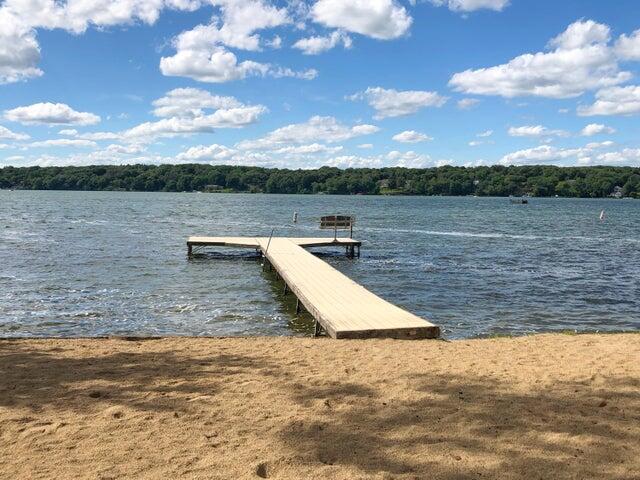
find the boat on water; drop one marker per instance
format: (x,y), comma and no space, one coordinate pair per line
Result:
(519,200)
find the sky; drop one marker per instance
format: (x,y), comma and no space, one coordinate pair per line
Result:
(304,84)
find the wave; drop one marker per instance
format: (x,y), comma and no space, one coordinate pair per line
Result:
(497,235)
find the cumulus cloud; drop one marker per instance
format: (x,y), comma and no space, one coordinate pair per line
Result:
(50,114)
(64,142)
(595,129)
(485,134)
(472,5)
(628,47)
(553,155)
(7,134)
(467,103)
(170,127)
(627,156)
(19,19)
(318,44)
(191,102)
(381,19)
(202,53)
(614,101)
(581,60)
(19,49)
(394,103)
(411,136)
(535,131)
(211,153)
(316,129)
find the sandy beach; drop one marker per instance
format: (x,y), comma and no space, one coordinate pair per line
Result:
(538,407)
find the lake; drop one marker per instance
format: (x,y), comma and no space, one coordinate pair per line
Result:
(114,263)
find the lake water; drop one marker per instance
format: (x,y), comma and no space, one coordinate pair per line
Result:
(111,263)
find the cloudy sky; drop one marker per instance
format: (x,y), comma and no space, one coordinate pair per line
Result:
(302,84)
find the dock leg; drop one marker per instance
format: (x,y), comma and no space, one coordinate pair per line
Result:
(286,288)
(358,251)
(297,306)
(189,250)
(317,329)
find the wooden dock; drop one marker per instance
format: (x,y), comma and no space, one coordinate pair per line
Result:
(342,307)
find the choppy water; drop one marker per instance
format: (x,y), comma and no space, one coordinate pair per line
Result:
(102,263)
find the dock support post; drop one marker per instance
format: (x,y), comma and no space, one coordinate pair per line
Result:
(286,289)
(317,328)
(189,250)
(297,306)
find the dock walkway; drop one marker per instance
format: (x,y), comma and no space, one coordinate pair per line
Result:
(341,306)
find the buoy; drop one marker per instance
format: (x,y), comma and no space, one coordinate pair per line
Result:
(295,217)
(602,215)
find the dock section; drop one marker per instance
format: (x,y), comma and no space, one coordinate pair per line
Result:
(341,306)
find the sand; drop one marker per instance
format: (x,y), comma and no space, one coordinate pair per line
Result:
(539,407)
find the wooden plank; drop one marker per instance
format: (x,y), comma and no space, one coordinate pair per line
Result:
(344,308)
(249,242)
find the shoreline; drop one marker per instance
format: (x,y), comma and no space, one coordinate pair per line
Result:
(539,406)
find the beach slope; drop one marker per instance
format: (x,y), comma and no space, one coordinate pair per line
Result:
(538,407)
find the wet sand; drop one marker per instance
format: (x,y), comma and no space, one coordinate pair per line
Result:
(539,407)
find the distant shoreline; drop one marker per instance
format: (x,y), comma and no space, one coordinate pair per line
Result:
(319,194)
(539,181)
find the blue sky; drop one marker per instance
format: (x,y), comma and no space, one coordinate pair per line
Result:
(303,84)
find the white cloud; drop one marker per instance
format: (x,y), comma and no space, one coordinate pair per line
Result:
(365,146)
(170,127)
(100,136)
(64,142)
(628,47)
(311,149)
(581,34)
(69,132)
(19,19)
(472,5)
(212,153)
(50,114)
(614,101)
(595,129)
(19,50)
(475,143)
(582,60)
(213,66)
(381,19)
(467,103)
(394,103)
(553,155)
(191,102)
(317,44)
(409,159)
(316,129)
(535,131)
(202,53)
(7,134)
(411,136)
(485,134)
(627,156)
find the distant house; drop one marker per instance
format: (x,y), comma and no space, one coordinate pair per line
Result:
(617,192)
(383,183)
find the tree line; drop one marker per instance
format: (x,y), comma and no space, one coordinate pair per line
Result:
(536,180)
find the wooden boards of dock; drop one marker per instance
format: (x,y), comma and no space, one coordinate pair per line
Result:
(342,307)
